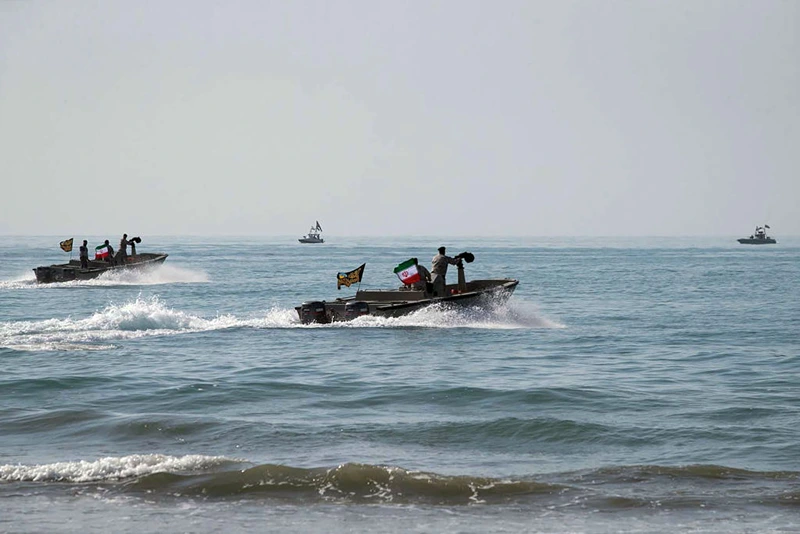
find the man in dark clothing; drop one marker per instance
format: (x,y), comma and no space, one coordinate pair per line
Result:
(424,279)
(439,271)
(122,253)
(110,257)
(84,255)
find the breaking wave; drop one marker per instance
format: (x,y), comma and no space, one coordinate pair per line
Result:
(212,476)
(612,488)
(110,469)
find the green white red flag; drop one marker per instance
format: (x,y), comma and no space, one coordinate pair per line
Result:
(407,272)
(101,252)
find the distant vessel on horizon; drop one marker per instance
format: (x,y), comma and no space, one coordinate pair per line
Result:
(759,237)
(313,235)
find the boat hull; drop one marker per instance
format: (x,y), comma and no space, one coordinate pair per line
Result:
(68,272)
(748,241)
(391,303)
(311,240)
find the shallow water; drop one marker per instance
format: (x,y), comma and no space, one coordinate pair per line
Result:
(629,385)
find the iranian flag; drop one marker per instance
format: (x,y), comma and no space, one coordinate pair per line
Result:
(407,271)
(101,252)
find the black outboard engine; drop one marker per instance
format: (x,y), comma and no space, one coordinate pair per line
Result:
(314,312)
(354,309)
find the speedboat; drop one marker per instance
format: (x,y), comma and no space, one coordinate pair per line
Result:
(313,235)
(759,237)
(416,294)
(67,272)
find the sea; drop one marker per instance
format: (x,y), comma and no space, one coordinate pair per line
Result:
(630,385)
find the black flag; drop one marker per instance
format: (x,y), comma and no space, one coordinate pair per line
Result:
(352,277)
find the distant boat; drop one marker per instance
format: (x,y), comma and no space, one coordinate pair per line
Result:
(313,235)
(759,237)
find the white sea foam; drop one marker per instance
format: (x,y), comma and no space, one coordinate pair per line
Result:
(156,275)
(161,274)
(146,317)
(110,468)
(138,318)
(506,315)
(20,281)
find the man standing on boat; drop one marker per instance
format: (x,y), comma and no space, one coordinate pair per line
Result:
(108,255)
(122,253)
(424,283)
(84,255)
(439,271)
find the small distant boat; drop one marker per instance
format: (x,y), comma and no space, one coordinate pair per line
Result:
(313,235)
(759,237)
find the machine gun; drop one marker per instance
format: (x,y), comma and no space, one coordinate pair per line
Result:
(468,257)
(133,241)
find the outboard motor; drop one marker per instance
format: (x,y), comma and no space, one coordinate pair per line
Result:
(354,309)
(314,312)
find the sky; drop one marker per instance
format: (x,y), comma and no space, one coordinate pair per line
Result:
(399,118)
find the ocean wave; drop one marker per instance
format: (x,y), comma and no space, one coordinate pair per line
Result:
(210,476)
(611,488)
(111,468)
(710,472)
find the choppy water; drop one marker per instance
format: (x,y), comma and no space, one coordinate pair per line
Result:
(630,385)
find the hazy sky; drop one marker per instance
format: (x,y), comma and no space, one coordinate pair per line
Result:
(399,117)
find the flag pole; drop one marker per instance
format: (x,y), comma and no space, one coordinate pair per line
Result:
(359,279)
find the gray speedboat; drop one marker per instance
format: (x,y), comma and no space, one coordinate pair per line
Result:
(313,236)
(66,272)
(759,237)
(409,298)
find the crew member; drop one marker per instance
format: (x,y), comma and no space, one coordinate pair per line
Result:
(122,253)
(110,257)
(439,271)
(84,255)
(424,279)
